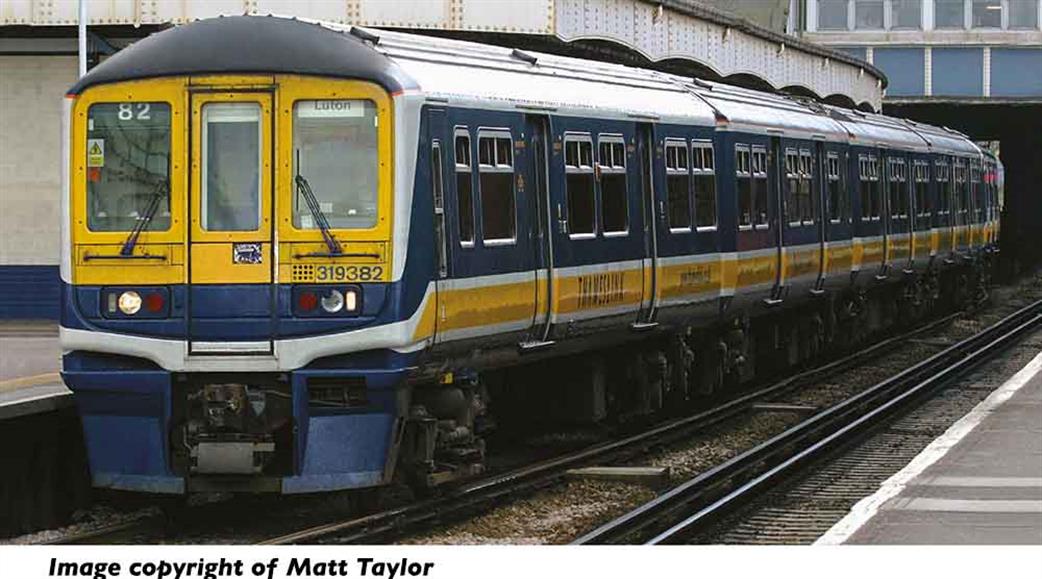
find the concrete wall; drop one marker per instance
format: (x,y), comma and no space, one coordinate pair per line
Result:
(30,181)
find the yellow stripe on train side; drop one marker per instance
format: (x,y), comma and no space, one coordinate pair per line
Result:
(922,244)
(898,248)
(485,305)
(839,260)
(871,253)
(802,262)
(757,270)
(596,290)
(690,279)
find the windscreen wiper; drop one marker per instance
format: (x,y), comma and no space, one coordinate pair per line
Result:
(145,219)
(304,189)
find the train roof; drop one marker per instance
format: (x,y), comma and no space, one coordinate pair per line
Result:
(475,74)
(248,45)
(471,73)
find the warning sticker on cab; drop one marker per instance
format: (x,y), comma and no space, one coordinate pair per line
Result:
(95,152)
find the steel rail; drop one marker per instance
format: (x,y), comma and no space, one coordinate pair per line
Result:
(704,498)
(472,495)
(112,534)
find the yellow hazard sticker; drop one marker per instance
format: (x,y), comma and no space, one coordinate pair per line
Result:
(95,152)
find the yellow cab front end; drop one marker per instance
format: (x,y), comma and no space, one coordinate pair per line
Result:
(218,227)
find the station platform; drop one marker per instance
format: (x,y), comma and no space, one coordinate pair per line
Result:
(30,357)
(979,483)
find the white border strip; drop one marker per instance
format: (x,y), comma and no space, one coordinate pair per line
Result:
(867,507)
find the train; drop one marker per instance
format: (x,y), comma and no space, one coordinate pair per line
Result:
(301,257)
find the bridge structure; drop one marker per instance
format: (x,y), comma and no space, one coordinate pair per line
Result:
(38,62)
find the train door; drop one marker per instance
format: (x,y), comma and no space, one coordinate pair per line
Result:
(943,217)
(649,267)
(898,231)
(883,198)
(837,226)
(919,175)
(489,294)
(597,227)
(774,166)
(820,215)
(231,297)
(800,219)
(537,129)
(440,155)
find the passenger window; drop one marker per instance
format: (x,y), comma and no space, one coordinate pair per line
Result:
(943,188)
(799,173)
(922,184)
(898,188)
(808,201)
(837,195)
(961,197)
(496,186)
(614,199)
(703,172)
(976,184)
(792,186)
(579,184)
(678,185)
(759,182)
(743,186)
(464,188)
(871,202)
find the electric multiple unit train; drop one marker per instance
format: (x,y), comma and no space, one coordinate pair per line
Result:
(299,257)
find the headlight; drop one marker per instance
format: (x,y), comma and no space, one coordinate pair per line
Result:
(333,301)
(129,302)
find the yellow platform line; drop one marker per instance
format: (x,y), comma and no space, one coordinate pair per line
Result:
(26,381)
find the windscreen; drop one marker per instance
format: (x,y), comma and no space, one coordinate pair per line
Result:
(335,151)
(127,165)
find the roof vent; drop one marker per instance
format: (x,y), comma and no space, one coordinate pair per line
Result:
(522,55)
(701,83)
(365,35)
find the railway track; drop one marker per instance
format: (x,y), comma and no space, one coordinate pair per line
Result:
(485,493)
(688,508)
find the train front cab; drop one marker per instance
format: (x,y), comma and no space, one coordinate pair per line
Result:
(219,230)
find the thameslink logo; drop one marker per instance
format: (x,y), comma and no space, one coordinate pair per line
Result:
(601,289)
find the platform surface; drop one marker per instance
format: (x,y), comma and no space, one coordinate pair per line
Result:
(981,483)
(30,358)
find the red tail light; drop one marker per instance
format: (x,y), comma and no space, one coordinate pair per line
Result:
(154,302)
(307,301)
